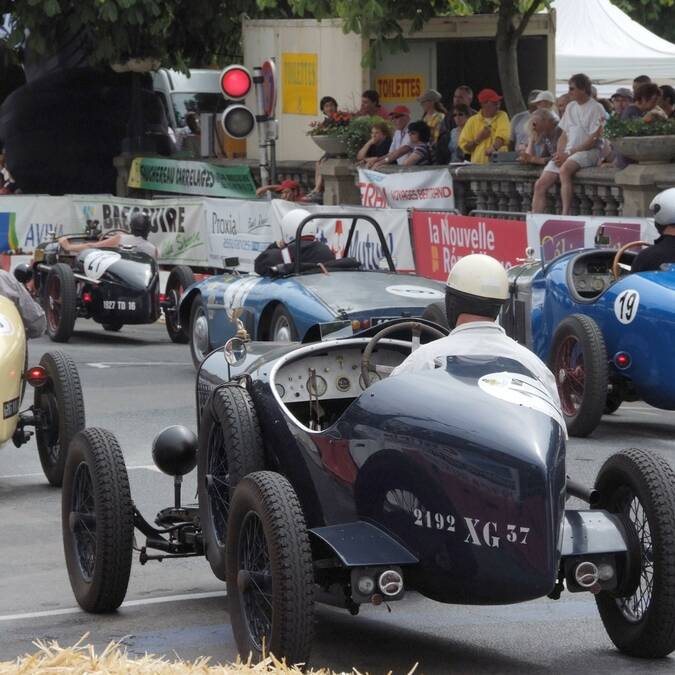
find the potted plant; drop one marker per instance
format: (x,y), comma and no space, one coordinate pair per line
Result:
(648,141)
(343,134)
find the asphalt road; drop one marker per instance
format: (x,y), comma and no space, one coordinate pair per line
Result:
(137,382)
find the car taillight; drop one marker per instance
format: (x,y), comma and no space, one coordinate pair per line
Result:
(163,297)
(622,360)
(37,376)
(87,297)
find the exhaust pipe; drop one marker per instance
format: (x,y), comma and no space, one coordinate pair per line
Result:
(390,582)
(589,495)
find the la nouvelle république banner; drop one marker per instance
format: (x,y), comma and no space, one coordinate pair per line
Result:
(191,178)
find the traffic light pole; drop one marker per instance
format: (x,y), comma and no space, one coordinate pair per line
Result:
(262,120)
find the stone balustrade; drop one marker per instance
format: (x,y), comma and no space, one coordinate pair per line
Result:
(488,189)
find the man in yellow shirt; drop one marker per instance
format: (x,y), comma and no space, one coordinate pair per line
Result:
(487,131)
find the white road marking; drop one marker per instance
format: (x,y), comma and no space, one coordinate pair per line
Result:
(129,603)
(149,467)
(151,364)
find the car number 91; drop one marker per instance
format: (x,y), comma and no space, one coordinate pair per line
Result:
(479,532)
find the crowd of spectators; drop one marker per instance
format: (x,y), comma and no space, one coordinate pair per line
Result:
(561,135)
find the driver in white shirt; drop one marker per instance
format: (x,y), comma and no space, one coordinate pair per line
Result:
(477,287)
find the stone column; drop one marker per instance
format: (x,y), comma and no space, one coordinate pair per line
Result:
(339,180)
(640,183)
(122,163)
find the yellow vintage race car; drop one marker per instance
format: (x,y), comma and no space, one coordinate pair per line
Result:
(57,413)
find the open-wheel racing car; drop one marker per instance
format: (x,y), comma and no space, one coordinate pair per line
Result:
(322,479)
(113,287)
(603,331)
(57,413)
(291,305)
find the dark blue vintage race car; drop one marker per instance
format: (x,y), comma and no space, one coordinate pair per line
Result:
(290,306)
(323,479)
(607,335)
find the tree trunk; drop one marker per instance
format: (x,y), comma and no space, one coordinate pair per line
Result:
(507,58)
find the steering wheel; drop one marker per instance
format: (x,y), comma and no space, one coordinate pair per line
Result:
(413,326)
(616,265)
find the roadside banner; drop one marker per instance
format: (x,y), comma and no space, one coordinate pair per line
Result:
(551,235)
(176,225)
(430,189)
(28,220)
(191,178)
(441,239)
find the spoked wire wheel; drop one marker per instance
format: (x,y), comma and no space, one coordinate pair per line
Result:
(230,446)
(578,359)
(639,615)
(82,521)
(255,578)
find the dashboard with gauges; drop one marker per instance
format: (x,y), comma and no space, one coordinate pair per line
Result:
(332,374)
(592,274)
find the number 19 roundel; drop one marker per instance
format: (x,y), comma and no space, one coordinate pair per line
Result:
(626,305)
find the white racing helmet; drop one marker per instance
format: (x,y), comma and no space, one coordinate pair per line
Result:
(291,221)
(477,284)
(663,206)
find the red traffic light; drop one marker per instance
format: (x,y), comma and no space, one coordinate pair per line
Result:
(235,82)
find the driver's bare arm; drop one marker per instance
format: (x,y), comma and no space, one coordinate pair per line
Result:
(110,242)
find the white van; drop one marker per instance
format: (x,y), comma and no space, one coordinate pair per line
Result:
(182,94)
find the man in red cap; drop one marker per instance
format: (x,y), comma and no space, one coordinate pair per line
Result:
(400,143)
(288,190)
(487,131)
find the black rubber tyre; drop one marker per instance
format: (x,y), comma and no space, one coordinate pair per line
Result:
(180,278)
(97,517)
(436,313)
(578,360)
(200,344)
(230,447)
(112,327)
(282,327)
(60,302)
(60,405)
(270,580)
(641,487)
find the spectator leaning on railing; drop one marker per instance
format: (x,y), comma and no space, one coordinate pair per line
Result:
(646,99)
(667,100)
(487,131)
(543,136)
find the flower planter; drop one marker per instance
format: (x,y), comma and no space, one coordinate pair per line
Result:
(646,149)
(333,146)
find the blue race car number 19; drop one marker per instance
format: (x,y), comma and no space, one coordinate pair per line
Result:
(626,305)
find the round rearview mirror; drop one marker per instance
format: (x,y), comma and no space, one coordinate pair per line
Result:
(235,351)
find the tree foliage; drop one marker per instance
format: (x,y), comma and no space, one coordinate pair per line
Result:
(657,15)
(179,33)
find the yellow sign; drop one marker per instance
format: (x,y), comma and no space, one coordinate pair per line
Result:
(399,87)
(299,76)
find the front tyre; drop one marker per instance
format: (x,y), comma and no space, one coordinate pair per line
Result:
(97,518)
(270,579)
(60,298)
(230,447)
(640,487)
(180,278)
(59,404)
(578,361)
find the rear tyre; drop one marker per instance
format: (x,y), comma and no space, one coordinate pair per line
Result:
(282,326)
(579,363)
(60,298)
(640,487)
(436,313)
(97,517)
(60,406)
(112,327)
(180,278)
(230,447)
(200,345)
(270,579)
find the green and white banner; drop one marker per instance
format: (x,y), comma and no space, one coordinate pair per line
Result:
(191,178)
